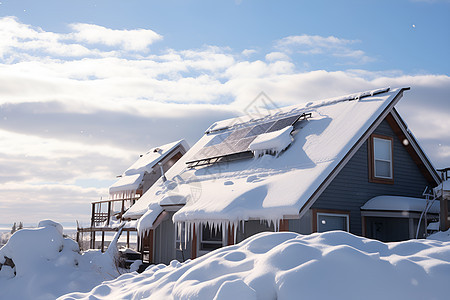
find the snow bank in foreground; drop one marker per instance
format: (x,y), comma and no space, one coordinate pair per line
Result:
(332,265)
(40,263)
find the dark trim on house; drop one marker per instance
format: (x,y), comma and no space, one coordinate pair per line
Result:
(394,211)
(371,157)
(284,225)
(412,147)
(230,235)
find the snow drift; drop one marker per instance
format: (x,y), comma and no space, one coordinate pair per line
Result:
(332,265)
(40,263)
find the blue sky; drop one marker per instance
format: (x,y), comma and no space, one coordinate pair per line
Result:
(406,35)
(87,86)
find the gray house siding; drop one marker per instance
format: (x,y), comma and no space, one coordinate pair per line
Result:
(164,241)
(252,227)
(351,187)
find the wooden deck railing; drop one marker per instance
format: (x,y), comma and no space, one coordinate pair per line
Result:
(98,215)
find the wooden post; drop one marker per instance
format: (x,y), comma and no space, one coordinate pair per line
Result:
(123,208)
(128,239)
(109,213)
(194,243)
(103,241)
(93,215)
(230,235)
(443,215)
(284,225)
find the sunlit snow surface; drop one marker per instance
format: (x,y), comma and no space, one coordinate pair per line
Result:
(332,265)
(47,265)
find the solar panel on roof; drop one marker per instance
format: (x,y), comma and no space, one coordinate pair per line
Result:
(259,129)
(283,123)
(238,134)
(218,139)
(234,144)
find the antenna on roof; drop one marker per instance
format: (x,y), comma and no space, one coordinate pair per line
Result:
(164,179)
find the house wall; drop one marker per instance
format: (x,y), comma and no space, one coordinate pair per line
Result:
(252,227)
(303,225)
(351,187)
(164,241)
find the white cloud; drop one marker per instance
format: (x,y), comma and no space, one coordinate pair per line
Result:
(248,52)
(313,41)
(319,45)
(274,56)
(131,40)
(18,39)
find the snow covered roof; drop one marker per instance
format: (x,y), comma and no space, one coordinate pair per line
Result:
(269,187)
(126,183)
(398,203)
(132,177)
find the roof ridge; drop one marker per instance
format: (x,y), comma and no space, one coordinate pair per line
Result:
(299,108)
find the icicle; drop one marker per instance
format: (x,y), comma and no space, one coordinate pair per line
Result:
(223,232)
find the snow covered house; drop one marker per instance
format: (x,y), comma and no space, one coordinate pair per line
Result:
(348,163)
(107,215)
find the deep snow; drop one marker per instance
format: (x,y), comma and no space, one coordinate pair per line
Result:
(331,265)
(47,265)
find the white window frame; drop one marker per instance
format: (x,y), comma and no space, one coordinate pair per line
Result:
(375,159)
(347,218)
(202,241)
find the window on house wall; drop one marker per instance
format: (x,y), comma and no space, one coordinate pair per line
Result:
(380,159)
(326,220)
(211,239)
